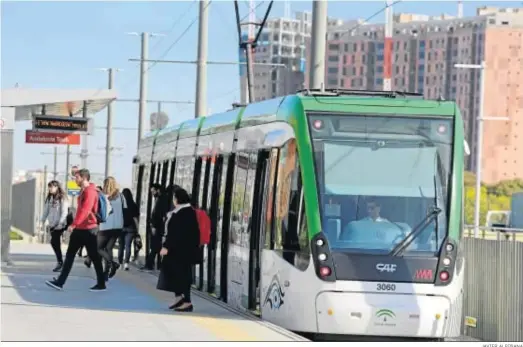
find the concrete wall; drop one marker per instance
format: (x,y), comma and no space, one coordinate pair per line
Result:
(24,216)
(7,122)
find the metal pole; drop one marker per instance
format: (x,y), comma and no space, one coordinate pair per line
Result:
(84,153)
(388,46)
(143,86)
(201,70)
(42,202)
(250,73)
(109,132)
(159,106)
(318,45)
(479,150)
(55,163)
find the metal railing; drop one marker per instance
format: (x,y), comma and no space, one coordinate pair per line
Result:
(493,300)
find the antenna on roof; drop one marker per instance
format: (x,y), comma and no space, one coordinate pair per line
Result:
(287,9)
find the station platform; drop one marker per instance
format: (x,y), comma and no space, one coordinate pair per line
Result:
(130,310)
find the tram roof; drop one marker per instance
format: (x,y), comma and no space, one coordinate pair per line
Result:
(267,110)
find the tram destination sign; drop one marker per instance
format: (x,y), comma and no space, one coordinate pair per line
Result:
(62,124)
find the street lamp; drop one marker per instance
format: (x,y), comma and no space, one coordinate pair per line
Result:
(479,138)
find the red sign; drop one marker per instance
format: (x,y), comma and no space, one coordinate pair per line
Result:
(424,274)
(51,138)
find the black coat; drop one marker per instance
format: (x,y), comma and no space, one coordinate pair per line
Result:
(183,245)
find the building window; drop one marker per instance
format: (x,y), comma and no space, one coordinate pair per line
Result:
(379,69)
(332,70)
(334,47)
(334,58)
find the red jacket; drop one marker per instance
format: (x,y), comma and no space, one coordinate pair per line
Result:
(87,207)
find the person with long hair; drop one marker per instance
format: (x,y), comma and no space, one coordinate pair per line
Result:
(113,226)
(180,252)
(55,212)
(130,228)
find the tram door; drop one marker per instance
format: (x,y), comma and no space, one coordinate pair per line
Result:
(260,184)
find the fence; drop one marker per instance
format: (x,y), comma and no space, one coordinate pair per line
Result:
(493,304)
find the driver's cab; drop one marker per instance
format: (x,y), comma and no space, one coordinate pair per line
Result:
(376,222)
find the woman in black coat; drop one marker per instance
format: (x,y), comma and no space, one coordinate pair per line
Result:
(180,252)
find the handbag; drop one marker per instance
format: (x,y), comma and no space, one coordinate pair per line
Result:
(163,279)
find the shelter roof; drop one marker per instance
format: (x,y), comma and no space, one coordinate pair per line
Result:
(58,102)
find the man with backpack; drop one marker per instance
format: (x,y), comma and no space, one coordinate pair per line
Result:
(90,213)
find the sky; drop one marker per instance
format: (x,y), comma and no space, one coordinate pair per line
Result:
(61,44)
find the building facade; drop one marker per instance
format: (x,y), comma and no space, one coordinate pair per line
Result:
(425,52)
(283,41)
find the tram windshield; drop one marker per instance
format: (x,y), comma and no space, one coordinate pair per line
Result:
(380,177)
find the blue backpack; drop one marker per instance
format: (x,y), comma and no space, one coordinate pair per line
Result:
(104,208)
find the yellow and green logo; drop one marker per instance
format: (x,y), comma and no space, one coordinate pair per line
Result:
(385,314)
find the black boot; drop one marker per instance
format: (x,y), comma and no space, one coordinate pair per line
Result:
(58,267)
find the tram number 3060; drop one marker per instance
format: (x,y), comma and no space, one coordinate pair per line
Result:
(386,287)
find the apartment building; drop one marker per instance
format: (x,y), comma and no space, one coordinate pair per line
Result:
(283,41)
(425,52)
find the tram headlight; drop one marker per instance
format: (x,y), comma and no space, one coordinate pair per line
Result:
(444,276)
(322,256)
(449,247)
(446,261)
(319,242)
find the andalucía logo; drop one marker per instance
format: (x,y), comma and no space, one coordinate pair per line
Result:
(385,316)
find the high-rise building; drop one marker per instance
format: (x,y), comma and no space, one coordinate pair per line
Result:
(424,54)
(283,41)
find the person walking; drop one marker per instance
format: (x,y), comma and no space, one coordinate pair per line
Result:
(83,231)
(180,252)
(157,225)
(55,212)
(111,229)
(130,228)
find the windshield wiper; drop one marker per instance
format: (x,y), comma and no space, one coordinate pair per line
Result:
(400,247)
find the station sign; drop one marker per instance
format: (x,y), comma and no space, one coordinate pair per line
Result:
(72,188)
(50,138)
(62,124)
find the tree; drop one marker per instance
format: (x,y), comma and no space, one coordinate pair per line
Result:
(494,197)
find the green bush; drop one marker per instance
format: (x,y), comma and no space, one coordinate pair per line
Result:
(14,236)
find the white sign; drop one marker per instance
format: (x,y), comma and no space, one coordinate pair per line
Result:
(7,119)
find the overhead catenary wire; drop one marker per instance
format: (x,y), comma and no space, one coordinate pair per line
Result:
(178,39)
(175,24)
(366,20)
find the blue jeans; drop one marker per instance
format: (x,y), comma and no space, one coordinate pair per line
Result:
(124,241)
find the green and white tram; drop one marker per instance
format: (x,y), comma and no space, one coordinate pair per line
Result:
(336,213)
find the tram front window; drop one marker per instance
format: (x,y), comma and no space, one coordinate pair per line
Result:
(379,179)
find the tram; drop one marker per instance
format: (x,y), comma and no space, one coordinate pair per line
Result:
(333,212)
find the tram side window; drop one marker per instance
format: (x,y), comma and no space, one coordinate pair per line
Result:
(180,167)
(249,198)
(165,170)
(289,237)
(189,174)
(238,198)
(268,226)
(223,199)
(201,186)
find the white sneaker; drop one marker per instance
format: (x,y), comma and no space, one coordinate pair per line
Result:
(126,267)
